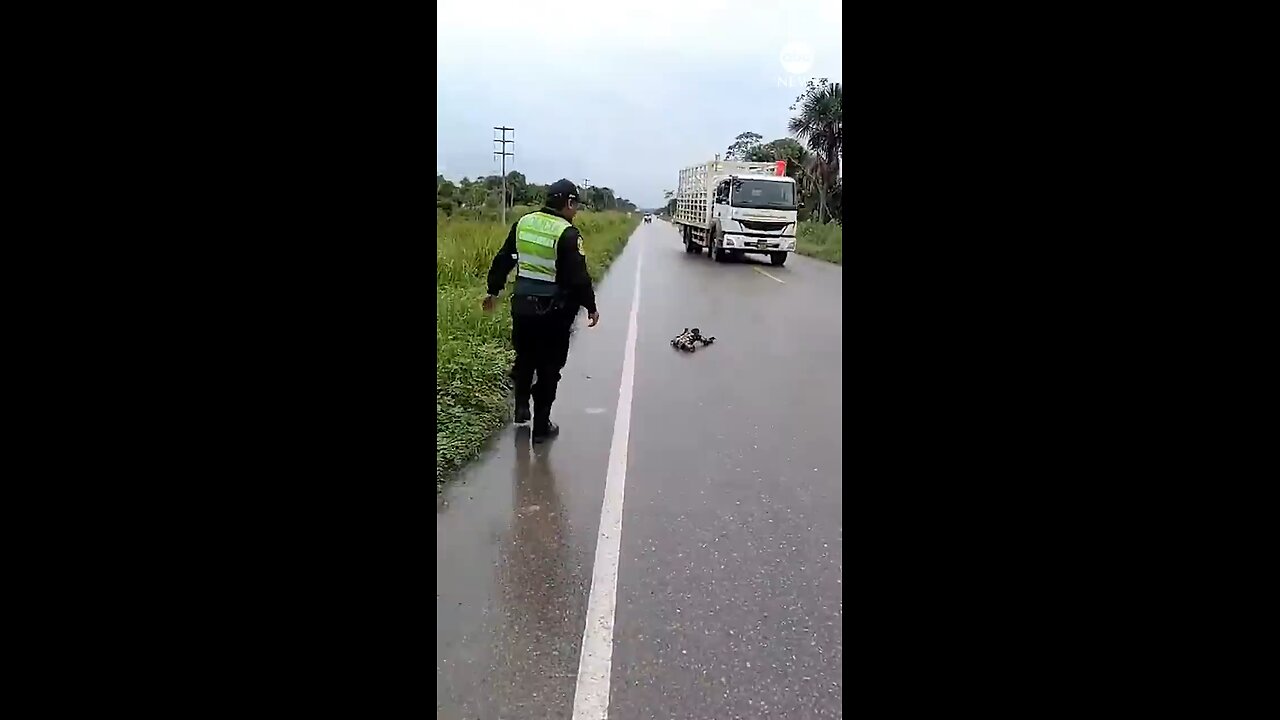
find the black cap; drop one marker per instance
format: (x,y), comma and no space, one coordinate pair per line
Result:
(563,187)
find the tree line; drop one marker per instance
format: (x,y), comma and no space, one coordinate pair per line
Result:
(486,192)
(813,154)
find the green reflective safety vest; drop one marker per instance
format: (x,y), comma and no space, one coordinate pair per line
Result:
(537,235)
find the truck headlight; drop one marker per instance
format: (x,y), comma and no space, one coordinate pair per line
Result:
(728,242)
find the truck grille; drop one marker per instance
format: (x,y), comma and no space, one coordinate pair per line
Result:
(763,226)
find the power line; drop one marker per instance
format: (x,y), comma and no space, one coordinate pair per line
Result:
(504,154)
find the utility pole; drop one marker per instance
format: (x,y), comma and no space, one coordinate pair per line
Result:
(504,154)
(583,191)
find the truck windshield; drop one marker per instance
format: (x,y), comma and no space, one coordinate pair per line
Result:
(764,194)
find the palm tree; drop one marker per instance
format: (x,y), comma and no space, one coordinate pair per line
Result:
(808,177)
(819,125)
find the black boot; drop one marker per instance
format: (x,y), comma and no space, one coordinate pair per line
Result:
(522,411)
(544,429)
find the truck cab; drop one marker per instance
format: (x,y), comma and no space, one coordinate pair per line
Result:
(754,214)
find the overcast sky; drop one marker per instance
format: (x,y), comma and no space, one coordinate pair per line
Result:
(620,92)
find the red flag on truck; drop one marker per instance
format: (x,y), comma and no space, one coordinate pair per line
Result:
(781,168)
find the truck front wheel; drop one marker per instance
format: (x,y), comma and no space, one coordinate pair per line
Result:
(779,258)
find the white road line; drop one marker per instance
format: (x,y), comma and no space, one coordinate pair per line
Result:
(595,663)
(784,282)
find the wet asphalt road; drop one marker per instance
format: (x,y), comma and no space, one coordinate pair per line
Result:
(729,593)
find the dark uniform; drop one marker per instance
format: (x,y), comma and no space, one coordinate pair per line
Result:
(551,284)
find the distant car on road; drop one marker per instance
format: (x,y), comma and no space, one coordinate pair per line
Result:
(648,217)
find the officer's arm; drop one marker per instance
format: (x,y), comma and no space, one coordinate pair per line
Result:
(502,263)
(571,269)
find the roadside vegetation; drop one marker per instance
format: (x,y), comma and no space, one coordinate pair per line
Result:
(482,196)
(473,350)
(821,241)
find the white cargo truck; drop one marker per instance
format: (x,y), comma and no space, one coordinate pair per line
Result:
(731,208)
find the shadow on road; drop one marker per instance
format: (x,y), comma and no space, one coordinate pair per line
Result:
(733,259)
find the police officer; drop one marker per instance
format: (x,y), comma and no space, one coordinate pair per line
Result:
(551,284)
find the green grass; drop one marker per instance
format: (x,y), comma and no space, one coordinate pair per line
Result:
(824,242)
(473,350)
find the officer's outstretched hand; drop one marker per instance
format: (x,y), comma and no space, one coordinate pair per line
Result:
(488,303)
(594,318)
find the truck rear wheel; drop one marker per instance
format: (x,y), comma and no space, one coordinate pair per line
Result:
(778,259)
